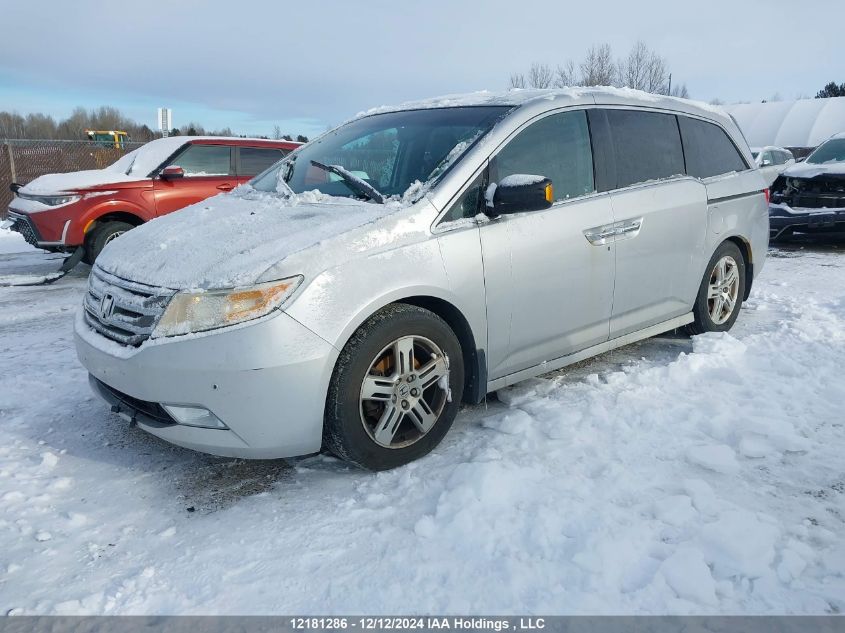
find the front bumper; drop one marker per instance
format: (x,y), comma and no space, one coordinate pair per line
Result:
(23,224)
(784,219)
(266,381)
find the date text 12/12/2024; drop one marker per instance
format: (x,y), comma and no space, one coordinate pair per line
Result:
(418,623)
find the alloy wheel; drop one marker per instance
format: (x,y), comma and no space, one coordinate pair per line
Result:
(404,391)
(723,290)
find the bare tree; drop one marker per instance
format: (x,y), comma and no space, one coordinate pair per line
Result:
(517,80)
(540,76)
(277,132)
(642,69)
(657,76)
(565,75)
(632,71)
(598,68)
(680,91)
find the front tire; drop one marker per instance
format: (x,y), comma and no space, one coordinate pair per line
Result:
(102,235)
(721,291)
(395,389)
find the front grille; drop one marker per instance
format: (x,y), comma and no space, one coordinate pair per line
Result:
(124,311)
(23,225)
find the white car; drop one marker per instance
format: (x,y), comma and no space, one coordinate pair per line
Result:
(466,243)
(772,161)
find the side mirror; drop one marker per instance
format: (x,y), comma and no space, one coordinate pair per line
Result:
(766,163)
(522,192)
(172,172)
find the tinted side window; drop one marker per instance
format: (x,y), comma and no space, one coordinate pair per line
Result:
(557,147)
(254,160)
(205,160)
(646,146)
(708,150)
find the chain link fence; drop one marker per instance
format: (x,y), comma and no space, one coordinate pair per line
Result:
(22,161)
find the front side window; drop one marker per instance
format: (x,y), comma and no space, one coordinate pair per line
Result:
(470,203)
(832,151)
(387,153)
(708,150)
(646,146)
(557,147)
(205,160)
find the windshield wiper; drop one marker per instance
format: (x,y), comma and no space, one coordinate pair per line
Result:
(352,181)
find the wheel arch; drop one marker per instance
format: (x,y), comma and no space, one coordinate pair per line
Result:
(475,365)
(117,216)
(745,248)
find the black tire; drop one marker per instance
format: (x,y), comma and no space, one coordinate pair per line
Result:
(100,236)
(344,431)
(704,322)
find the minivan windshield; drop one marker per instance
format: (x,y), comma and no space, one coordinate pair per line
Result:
(832,151)
(382,155)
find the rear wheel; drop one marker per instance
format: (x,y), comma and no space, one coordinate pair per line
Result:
(390,401)
(102,235)
(722,289)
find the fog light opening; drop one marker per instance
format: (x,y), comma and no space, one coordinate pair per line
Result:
(194,416)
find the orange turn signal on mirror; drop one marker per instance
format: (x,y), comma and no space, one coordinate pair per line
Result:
(550,194)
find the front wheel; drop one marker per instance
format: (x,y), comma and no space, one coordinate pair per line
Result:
(395,390)
(722,289)
(102,235)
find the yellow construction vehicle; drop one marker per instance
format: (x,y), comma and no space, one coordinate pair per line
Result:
(108,138)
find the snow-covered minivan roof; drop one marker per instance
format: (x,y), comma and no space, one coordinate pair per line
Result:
(544,99)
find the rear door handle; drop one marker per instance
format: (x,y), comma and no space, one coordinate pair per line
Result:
(226,186)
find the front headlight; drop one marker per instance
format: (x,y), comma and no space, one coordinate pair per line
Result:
(199,311)
(51,201)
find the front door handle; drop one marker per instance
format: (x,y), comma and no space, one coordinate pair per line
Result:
(600,235)
(226,187)
(628,229)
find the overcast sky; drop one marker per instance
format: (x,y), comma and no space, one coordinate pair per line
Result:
(305,66)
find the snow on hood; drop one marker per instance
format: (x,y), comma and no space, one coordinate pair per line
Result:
(231,239)
(136,165)
(811,170)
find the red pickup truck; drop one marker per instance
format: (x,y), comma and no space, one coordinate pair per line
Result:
(62,212)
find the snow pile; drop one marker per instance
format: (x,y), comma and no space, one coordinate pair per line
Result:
(13,242)
(230,239)
(673,476)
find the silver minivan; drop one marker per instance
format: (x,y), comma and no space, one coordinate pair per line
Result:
(352,296)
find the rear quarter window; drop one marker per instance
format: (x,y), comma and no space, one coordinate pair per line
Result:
(646,146)
(254,160)
(708,149)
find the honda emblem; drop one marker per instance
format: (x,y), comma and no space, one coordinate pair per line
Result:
(106,306)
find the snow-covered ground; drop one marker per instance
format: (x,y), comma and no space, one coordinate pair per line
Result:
(672,476)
